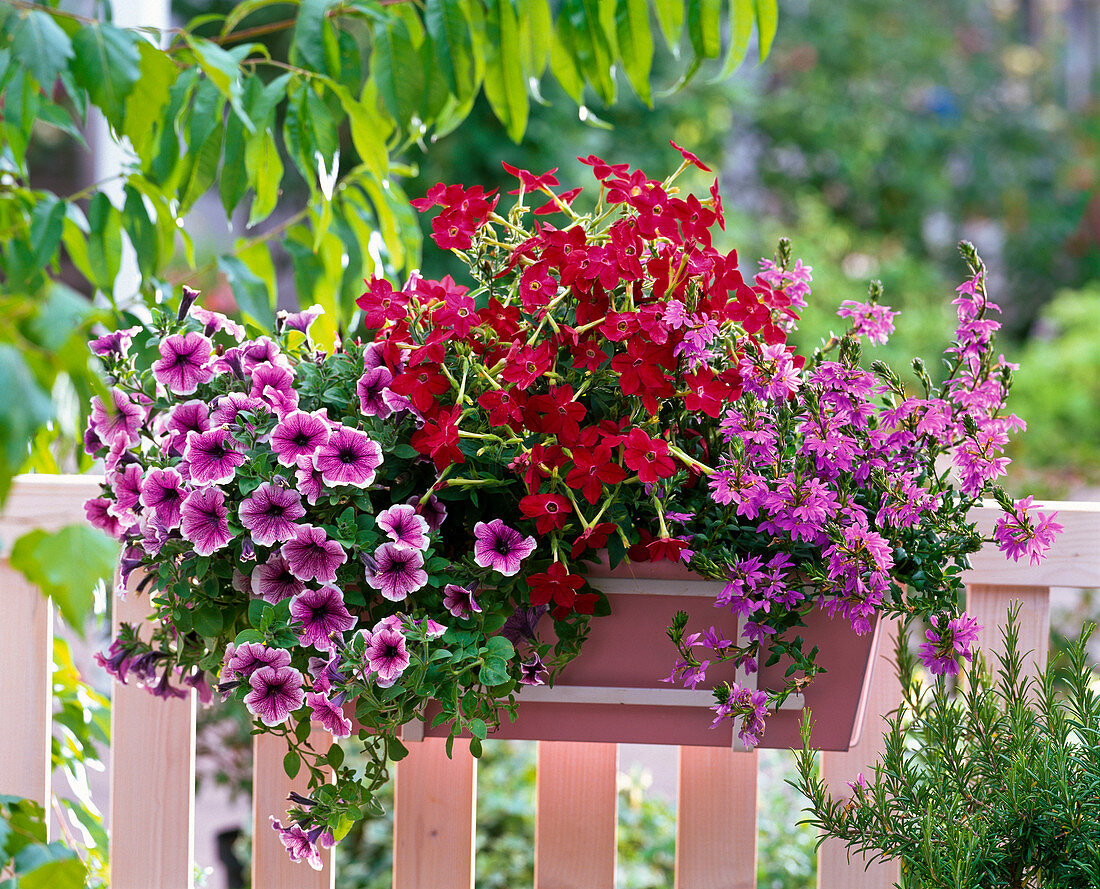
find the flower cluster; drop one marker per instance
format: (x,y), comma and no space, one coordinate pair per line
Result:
(339,535)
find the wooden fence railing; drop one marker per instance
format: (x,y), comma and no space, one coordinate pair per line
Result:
(152,762)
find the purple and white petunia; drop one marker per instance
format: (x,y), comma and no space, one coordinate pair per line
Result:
(433,509)
(370,389)
(117,342)
(270,512)
(248,657)
(228,407)
(212,322)
(184,362)
(399,570)
(386,654)
(276,693)
(126,485)
(96,511)
(321,613)
(273,581)
(188,416)
(459,600)
(274,383)
(299,434)
(309,479)
(402,525)
(312,556)
(204,520)
(301,321)
(298,844)
(123,420)
(213,456)
(501,548)
(349,457)
(329,715)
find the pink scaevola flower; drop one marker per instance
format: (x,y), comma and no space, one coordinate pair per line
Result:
(298,435)
(1020,535)
(349,457)
(402,525)
(212,457)
(269,514)
(386,654)
(399,570)
(944,646)
(228,407)
(321,613)
(869,319)
(501,548)
(273,581)
(248,657)
(276,693)
(459,600)
(121,422)
(184,363)
(310,481)
(371,388)
(204,520)
(329,715)
(312,556)
(163,492)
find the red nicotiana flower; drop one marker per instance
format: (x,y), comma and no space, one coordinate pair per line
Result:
(381,303)
(551,512)
(504,320)
(636,189)
(593,538)
(505,407)
(601,169)
(592,470)
(588,354)
(556,584)
(457,316)
(619,326)
(421,384)
(555,412)
(690,158)
(627,248)
(554,205)
(536,287)
(558,246)
(709,392)
(538,464)
(531,181)
(647,456)
(438,438)
(433,350)
(671,549)
(525,364)
(640,373)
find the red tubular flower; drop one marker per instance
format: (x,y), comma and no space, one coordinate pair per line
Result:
(538,464)
(525,364)
(530,181)
(601,169)
(536,287)
(438,438)
(647,456)
(505,407)
(592,470)
(588,354)
(504,320)
(619,326)
(433,350)
(421,384)
(593,538)
(555,412)
(708,392)
(690,158)
(666,548)
(555,584)
(457,316)
(550,511)
(554,206)
(639,370)
(381,303)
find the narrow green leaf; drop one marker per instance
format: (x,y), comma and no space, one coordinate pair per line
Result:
(107,64)
(19,417)
(204,169)
(397,71)
(224,70)
(741,17)
(46,223)
(670,16)
(104,242)
(233,182)
(767,21)
(704,31)
(66,565)
(257,256)
(369,126)
(141,228)
(255,301)
(311,42)
(635,45)
(590,43)
(265,173)
(452,45)
(536,28)
(241,11)
(504,84)
(40,46)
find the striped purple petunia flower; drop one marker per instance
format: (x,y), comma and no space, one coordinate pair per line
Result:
(370,389)
(188,416)
(299,434)
(459,600)
(301,321)
(184,362)
(269,513)
(399,570)
(213,456)
(228,407)
(126,485)
(273,581)
(329,715)
(274,383)
(312,556)
(250,656)
(96,511)
(501,548)
(309,479)
(321,613)
(387,655)
(402,525)
(121,421)
(204,520)
(117,342)
(276,693)
(212,322)
(349,457)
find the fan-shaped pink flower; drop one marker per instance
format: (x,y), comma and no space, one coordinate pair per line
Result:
(184,363)
(204,520)
(349,457)
(312,556)
(321,613)
(276,693)
(269,513)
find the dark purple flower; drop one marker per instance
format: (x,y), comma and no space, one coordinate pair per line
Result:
(303,320)
(459,600)
(229,406)
(204,520)
(386,654)
(274,383)
(522,624)
(273,581)
(349,457)
(276,693)
(196,679)
(321,613)
(123,421)
(533,673)
(117,342)
(433,510)
(184,362)
(399,570)
(250,656)
(403,525)
(370,389)
(312,556)
(299,434)
(164,492)
(329,715)
(270,512)
(500,547)
(326,673)
(213,456)
(309,479)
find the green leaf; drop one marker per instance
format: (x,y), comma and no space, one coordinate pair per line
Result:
(208,620)
(500,647)
(741,17)
(141,228)
(311,42)
(265,173)
(563,61)
(224,70)
(449,27)
(63,870)
(536,30)
(335,756)
(767,20)
(47,219)
(504,84)
(704,28)
(66,566)
(397,71)
(478,728)
(369,127)
(494,671)
(19,417)
(670,16)
(250,291)
(204,168)
(635,45)
(233,182)
(40,46)
(591,45)
(292,763)
(107,64)
(104,242)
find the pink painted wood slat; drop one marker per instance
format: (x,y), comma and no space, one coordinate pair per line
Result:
(834,868)
(152,779)
(989,604)
(26,646)
(271,865)
(434,808)
(716,819)
(576,815)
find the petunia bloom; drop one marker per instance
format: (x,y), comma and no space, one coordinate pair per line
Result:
(184,363)
(269,513)
(276,693)
(163,491)
(312,556)
(213,456)
(273,581)
(321,613)
(386,654)
(349,457)
(459,600)
(399,570)
(403,525)
(501,548)
(299,434)
(204,520)
(329,715)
